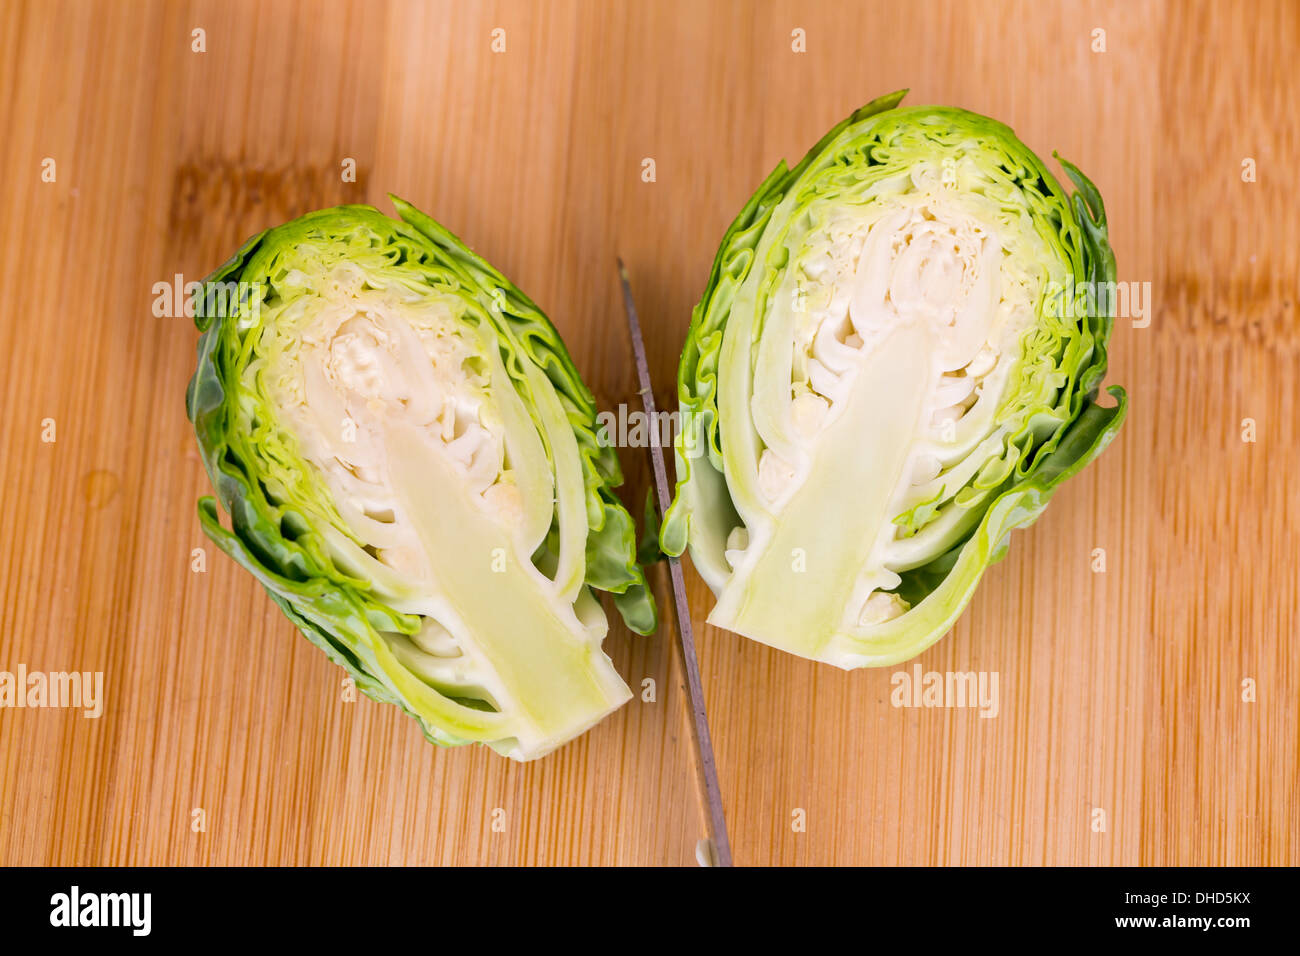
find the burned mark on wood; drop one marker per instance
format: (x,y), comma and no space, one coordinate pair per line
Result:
(216,204)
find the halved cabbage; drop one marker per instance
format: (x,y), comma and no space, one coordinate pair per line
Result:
(411,467)
(880,382)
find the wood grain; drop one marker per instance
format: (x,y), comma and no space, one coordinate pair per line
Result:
(1119,691)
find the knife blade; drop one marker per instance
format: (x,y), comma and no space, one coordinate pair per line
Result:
(716,849)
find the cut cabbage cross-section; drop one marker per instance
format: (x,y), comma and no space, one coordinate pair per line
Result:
(876,388)
(411,467)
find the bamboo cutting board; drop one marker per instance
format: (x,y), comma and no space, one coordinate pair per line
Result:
(1149,713)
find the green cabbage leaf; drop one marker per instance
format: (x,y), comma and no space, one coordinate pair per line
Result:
(896,362)
(411,468)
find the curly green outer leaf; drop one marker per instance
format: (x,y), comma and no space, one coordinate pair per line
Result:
(837,507)
(468,605)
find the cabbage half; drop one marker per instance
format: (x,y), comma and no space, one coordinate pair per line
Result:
(411,466)
(894,365)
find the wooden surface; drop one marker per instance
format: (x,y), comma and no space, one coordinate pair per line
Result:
(1120,692)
